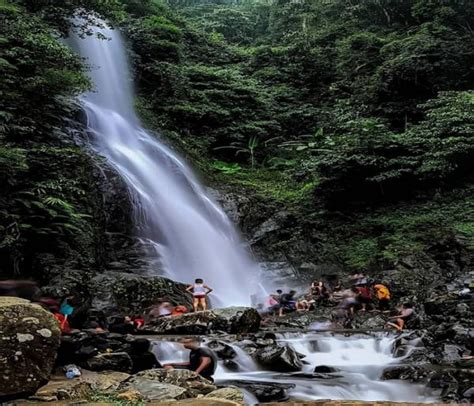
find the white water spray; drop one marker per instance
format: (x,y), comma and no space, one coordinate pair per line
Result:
(359,361)
(173,212)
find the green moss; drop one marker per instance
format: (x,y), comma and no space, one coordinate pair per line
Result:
(110,398)
(387,235)
(269,184)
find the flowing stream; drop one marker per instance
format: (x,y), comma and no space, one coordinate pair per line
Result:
(359,361)
(173,212)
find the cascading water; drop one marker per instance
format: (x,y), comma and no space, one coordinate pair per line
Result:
(359,361)
(173,212)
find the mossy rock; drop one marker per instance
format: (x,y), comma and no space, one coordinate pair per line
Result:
(30,338)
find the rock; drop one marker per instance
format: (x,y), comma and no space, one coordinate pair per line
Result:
(231,365)
(368,321)
(115,361)
(405,372)
(197,402)
(115,292)
(451,353)
(131,396)
(234,394)
(235,320)
(79,348)
(280,359)
(79,388)
(324,369)
(231,320)
(189,323)
(264,391)
(222,349)
(469,394)
(192,383)
(29,339)
(153,390)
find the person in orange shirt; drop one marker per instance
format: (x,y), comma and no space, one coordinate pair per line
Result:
(383,297)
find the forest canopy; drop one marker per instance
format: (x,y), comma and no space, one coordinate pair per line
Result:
(323,105)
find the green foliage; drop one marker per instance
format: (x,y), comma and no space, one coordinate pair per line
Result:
(47,198)
(111,399)
(304,103)
(226,168)
(38,72)
(273,186)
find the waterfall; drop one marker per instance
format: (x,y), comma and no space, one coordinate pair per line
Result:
(191,234)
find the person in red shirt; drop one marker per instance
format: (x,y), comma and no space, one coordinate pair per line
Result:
(364,296)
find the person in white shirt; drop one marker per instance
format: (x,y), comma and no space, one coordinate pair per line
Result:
(199,291)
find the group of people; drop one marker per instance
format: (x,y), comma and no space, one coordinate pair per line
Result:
(361,295)
(72,312)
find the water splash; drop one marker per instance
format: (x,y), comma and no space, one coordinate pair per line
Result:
(172,211)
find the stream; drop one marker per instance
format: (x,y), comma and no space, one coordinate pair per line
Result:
(359,361)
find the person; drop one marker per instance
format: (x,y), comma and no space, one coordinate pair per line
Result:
(287,302)
(318,291)
(179,310)
(383,297)
(302,304)
(199,291)
(160,309)
(401,319)
(359,279)
(202,360)
(66,307)
(343,314)
(271,304)
(365,296)
(277,297)
(122,325)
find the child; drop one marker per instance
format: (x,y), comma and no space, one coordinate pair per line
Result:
(199,291)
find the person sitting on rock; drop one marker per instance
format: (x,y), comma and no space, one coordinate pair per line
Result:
(199,291)
(383,297)
(406,314)
(287,302)
(202,360)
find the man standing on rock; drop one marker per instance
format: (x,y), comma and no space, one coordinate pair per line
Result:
(202,360)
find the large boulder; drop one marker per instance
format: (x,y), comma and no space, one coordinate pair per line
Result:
(29,337)
(117,292)
(264,391)
(231,320)
(235,320)
(192,383)
(153,390)
(278,358)
(61,388)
